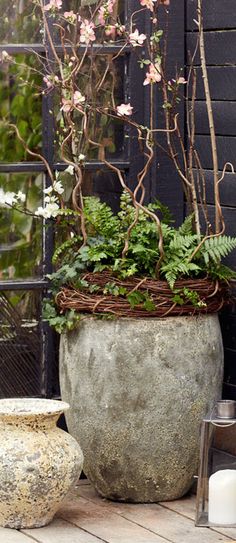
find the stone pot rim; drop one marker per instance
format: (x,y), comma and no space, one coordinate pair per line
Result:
(28,407)
(116,318)
(110,322)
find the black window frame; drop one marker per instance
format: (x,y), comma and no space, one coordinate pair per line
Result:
(132,75)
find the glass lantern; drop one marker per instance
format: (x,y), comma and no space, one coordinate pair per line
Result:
(216,486)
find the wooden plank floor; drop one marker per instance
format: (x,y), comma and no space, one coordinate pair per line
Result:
(87,518)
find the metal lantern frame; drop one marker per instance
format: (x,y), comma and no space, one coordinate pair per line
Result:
(208,427)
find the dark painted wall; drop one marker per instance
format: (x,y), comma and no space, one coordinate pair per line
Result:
(220,40)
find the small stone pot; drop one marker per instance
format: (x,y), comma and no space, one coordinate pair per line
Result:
(39,463)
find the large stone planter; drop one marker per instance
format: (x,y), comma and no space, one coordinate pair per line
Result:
(38,462)
(138,390)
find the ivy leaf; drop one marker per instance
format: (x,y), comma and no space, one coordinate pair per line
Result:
(177,299)
(84,253)
(81,284)
(93,288)
(149,305)
(135,298)
(96,257)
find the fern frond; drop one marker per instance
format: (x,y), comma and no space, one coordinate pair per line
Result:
(187,227)
(171,277)
(66,212)
(100,217)
(217,248)
(167,231)
(166,215)
(183,242)
(175,269)
(222,272)
(65,247)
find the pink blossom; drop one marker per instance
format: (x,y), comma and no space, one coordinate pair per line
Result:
(87,33)
(137,39)
(120,29)
(66,105)
(153,75)
(101,16)
(181,81)
(48,82)
(110,5)
(124,109)
(110,31)
(5,57)
(70,15)
(105,10)
(148,4)
(78,98)
(53,4)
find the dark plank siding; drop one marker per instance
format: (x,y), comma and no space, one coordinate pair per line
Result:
(226,150)
(222,81)
(227,189)
(220,43)
(220,47)
(165,183)
(230,221)
(229,387)
(229,214)
(215,13)
(224,117)
(230,366)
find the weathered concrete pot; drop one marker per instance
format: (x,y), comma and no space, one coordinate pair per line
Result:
(38,462)
(138,390)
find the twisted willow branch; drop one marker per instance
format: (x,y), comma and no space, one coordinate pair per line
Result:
(218,210)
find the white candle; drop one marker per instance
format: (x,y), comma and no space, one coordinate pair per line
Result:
(222,497)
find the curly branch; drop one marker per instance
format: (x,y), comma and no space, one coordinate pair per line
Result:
(32,153)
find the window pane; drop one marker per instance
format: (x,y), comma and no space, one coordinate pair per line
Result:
(88,6)
(20,104)
(20,234)
(106,186)
(105,132)
(19,22)
(20,351)
(88,9)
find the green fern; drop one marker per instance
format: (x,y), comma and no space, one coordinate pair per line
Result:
(106,236)
(65,212)
(100,219)
(187,227)
(182,242)
(66,246)
(166,215)
(176,269)
(214,249)
(222,272)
